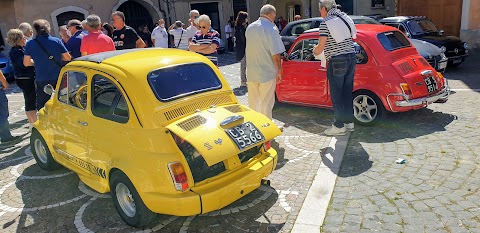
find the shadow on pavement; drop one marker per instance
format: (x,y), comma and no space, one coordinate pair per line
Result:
(467,72)
(226,59)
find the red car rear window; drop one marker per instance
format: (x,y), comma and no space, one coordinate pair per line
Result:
(393,40)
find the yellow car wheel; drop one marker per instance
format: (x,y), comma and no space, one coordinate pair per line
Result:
(128,203)
(41,153)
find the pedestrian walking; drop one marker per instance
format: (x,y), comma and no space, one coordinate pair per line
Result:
(95,41)
(125,37)
(47,53)
(179,35)
(263,54)
(159,35)
(5,135)
(206,40)
(337,32)
(241,42)
(229,35)
(24,76)
(75,28)
(193,24)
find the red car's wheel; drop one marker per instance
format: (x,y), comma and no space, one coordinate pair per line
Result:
(367,107)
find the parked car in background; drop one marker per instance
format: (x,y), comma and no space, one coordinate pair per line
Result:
(293,29)
(6,67)
(363,20)
(434,55)
(375,16)
(424,29)
(160,129)
(390,75)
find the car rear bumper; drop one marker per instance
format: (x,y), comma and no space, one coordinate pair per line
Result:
(216,194)
(425,101)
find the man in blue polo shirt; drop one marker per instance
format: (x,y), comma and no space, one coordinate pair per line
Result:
(206,40)
(47,53)
(75,28)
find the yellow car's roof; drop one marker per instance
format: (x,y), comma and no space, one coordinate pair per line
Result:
(140,62)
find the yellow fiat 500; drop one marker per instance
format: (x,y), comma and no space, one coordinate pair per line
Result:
(160,129)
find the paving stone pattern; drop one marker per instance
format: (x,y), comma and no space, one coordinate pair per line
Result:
(33,200)
(437,189)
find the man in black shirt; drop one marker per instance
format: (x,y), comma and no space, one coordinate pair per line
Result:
(125,37)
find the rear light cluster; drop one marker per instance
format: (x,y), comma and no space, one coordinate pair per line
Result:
(267,145)
(406,89)
(179,176)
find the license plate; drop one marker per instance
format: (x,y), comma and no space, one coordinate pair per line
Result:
(431,84)
(456,61)
(442,65)
(245,135)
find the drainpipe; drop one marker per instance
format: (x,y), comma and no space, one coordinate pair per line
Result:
(169,21)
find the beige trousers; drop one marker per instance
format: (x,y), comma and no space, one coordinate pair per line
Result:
(261,97)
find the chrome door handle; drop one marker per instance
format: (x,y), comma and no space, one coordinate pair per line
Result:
(82,123)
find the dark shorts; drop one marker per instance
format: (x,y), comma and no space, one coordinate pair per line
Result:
(42,97)
(29,94)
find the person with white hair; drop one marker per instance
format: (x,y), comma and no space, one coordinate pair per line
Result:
(337,32)
(206,40)
(263,54)
(27,30)
(193,27)
(95,41)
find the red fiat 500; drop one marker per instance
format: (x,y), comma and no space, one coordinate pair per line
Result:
(390,75)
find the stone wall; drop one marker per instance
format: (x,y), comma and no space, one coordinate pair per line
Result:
(472,37)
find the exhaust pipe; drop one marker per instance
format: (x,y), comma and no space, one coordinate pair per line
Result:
(265,182)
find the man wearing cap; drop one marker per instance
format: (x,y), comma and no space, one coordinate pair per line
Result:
(159,35)
(75,28)
(179,35)
(125,37)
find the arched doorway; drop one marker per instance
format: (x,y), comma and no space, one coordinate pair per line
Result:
(136,15)
(63,18)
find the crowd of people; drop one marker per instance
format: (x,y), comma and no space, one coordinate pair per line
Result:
(37,60)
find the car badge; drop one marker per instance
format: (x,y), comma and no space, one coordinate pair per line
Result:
(456,50)
(218,141)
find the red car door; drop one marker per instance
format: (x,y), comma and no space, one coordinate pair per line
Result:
(304,81)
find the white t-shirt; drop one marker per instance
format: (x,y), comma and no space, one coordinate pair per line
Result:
(160,36)
(191,30)
(228,29)
(177,33)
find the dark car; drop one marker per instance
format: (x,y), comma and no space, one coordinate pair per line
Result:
(293,29)
(424,29)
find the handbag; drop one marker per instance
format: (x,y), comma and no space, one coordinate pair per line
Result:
(180,39)
(50,57)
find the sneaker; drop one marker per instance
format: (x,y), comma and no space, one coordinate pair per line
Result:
(349,127)
(10,139)
(334,131)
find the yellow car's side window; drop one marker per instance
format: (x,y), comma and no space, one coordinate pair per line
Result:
(108,101)
(73,89)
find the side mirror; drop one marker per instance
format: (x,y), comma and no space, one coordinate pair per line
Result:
(441,32)
(48,89)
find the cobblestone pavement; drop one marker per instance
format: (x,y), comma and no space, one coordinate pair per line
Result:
(437,189)
(33,200)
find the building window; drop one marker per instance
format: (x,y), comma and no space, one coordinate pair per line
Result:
(378,3)
(293,10)
(63,18)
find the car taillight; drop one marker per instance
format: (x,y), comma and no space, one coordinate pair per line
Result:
(179,176)
(267,146)
(406,89)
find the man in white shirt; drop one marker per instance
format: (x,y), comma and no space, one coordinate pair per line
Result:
(160,35)
(229,35)
(193,28)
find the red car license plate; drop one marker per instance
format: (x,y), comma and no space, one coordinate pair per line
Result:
(245,135)
(431,84)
